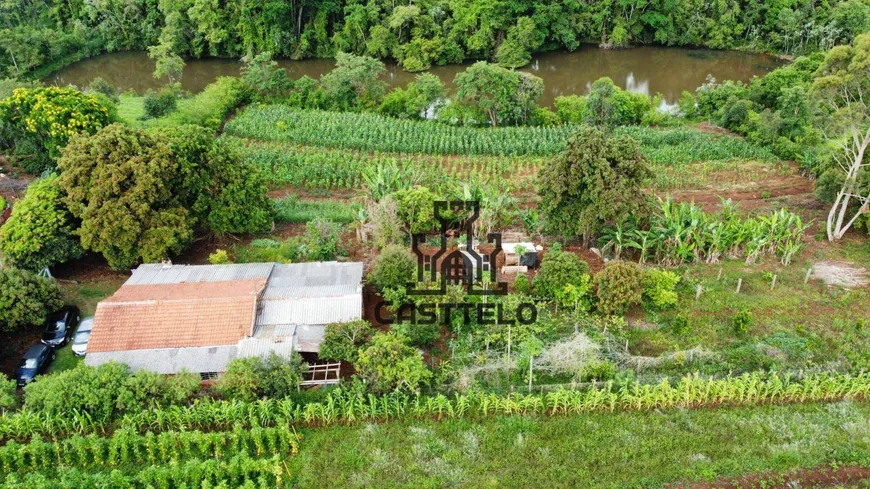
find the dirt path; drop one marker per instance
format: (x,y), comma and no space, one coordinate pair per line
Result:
(820,477)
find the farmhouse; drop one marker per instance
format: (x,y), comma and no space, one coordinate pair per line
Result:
(168,318)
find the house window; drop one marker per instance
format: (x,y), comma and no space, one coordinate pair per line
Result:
(208,376)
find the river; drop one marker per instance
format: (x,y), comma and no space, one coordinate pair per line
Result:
(646,69)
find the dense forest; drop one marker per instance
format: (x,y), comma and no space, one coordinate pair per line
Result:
(40,35)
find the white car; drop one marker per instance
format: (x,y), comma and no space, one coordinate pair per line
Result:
(83,334)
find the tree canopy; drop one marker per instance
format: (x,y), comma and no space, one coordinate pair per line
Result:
(141,195)
(40,232)
(25,299)
(597,179)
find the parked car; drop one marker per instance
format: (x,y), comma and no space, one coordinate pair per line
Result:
(59,326)
(35,361)
(83,334)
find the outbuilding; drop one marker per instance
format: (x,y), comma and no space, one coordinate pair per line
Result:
(197,318)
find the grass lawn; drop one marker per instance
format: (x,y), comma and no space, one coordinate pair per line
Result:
(809,323)
(85,295)
(613,450)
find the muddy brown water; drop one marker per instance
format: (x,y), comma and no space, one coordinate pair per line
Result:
(646,69)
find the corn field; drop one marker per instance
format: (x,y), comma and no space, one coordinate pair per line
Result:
(373,133)
(239,471)
(127,447)
(314,167)
(679,233)
(347,407)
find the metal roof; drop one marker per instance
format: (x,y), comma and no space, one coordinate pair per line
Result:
(156,273)
(311,310)
(327,278)
(169,360)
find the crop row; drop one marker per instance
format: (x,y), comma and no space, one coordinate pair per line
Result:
(239,471)
(126,447)
(345,406)
(679,233)
(316,167)
(373,133)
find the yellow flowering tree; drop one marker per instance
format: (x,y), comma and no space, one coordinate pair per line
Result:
(36,123)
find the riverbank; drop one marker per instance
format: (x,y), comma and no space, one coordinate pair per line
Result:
(645,69)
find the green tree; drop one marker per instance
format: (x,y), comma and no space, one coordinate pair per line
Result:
(40,233)
(354,83)
(620,285)
(522,39)
(107,391)
(25,299)
(123,185)
(343,341)
(391,364)
(416,208)
(263,75)
(168,64)
(842,85)
(504,95)
(142,195)
(250,378)
(558,270)
(393,269)
(597,179)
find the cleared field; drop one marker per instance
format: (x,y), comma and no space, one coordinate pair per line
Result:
(624,450)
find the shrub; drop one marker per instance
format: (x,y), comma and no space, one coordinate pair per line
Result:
(419,335)
(161,103)
(39,122)
(570,108)
(658,287)
(263,76)
(251,378)
(391,364)
(219,257)
(742,321)
(101,86)
(8,398)
(343,341)
(522,284)
(40,232)
(680,324)
(106,391)
(416,208)
(558,269)
(211,106)
(25,299)
(393,269)
(619,287)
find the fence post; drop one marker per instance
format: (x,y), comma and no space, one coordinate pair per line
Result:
(531,361)
(698,292)
(773,283)
(809,273)
(719,277)
(739,283)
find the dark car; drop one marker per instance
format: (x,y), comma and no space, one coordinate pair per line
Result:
(60,325)
(35,360)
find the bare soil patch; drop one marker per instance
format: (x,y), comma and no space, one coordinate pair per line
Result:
(841,274)
(819,477)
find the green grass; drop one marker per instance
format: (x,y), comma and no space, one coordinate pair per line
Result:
(617,450)
(207,108)
(809,325)
(291,209)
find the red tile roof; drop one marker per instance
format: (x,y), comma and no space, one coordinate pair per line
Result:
(140,317)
